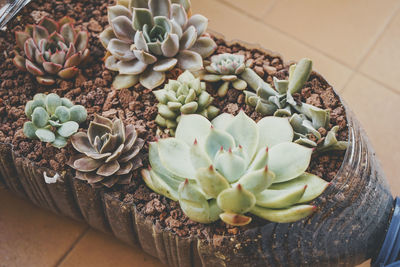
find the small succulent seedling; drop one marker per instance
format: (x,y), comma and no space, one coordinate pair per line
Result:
(186,95)
(52,49)
(279,102)
(147,38)
(234,166)
(53,119)
(110,152)
(305,119)
(225,69)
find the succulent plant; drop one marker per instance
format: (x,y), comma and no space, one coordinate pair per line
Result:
(279,102)
(53,119)
(234,166)
(110,152)
(225,68)
(186,95)
(52,49)
(147,38)
(306,133)
(305,119)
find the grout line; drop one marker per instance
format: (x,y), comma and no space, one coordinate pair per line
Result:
(63,257)
(355,70)
(368,52)
(244,12)
(352,75)
(271,6)
(378,38)
(389,88)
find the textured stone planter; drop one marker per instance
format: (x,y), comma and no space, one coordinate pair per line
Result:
(348,228)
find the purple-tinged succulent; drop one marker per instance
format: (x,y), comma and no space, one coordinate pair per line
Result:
(110,152)
(148,38)
(52,49)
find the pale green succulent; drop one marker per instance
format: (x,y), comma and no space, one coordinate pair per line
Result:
(147,38)
(305,118)
(225,68)
(279,102)
(186,95)
(234,166)
(53,119)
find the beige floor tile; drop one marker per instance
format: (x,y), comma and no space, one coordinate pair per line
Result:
(32,237)
(383,63)
(256,8)
(235,25)
(100,250)
(343,29)
(377,109)
(365,264)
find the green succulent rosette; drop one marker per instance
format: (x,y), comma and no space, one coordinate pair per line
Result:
(225,69)
(148,38)
(186,95)
(53,119)
(233,166)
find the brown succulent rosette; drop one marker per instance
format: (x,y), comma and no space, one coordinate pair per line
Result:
(52,48)
(110,153)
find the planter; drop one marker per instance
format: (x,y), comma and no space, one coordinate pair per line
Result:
(348,228)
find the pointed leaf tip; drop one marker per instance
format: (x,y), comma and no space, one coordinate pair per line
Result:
(239,187)
(195,141)
(266,168)
(211,168)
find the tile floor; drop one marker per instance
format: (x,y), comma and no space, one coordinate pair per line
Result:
(354,44)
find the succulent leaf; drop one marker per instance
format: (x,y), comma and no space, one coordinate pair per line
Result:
(122,28)
(175,156)
(274,130)
(152,79)
(235,219)
(236,200)
(210,181)
(278,199)
(30,130)
(288,161)
(315,186)
(300,75)
(216,140)
(45,135)
(230,165)
(245,133)
(193,127)
(292,214)
(257,181)
(125,81)
(189,60)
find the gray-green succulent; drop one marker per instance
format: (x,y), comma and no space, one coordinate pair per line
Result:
(305,119)
(53,119)
(186,95)
(232,166)
(147,38)
(225,69)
